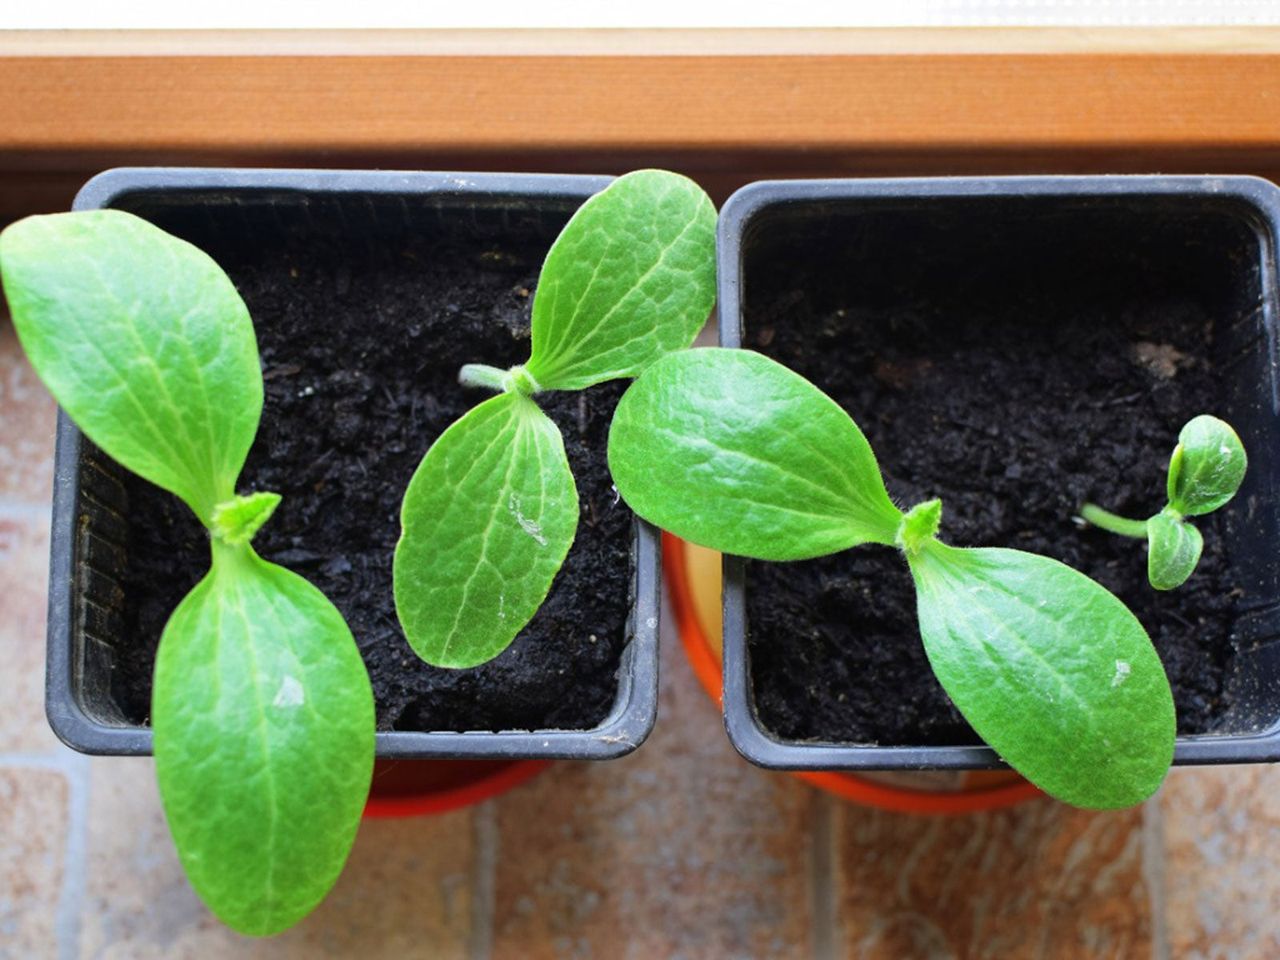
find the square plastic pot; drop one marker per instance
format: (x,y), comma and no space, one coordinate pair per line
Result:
(1234,220)
(90,516)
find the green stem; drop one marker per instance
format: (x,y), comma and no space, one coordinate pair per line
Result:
(1107,520)
(482,375)
(226,556)
(516,380)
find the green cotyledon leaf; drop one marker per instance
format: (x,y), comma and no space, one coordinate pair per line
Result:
(1051,670)
(487,521)
(1207,467)
(1173,550)
(631,277)
(264,740)
(733,451)
(144,341)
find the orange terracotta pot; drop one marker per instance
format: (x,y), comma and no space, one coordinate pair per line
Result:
(414,788)
(693,579)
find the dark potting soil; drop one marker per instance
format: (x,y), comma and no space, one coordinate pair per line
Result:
(1014,402)
(360,353)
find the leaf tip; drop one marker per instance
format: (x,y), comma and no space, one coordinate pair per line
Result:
(918,526)
(238,520)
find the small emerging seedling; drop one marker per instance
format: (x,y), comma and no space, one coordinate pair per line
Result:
(261,706)
(733,451)
(1205,471)
(491,511)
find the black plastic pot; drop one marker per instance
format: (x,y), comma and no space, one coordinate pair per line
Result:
(1235,220)
(90,515)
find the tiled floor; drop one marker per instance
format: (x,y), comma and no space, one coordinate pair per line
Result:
(679,851)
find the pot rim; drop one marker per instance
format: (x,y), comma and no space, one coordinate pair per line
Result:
(505,777)
(848,786)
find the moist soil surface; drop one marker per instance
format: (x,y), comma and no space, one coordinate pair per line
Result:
(1014,406)
(360,353)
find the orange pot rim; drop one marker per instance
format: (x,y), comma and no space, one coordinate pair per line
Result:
(443,800)
(849,786)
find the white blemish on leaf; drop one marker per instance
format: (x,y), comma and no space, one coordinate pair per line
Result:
(1225,451)
(531,527)
(1122,673)
(290,693)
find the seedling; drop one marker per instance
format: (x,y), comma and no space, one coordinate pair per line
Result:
(491,511)
(261,707)
(1205,471)
(733,451)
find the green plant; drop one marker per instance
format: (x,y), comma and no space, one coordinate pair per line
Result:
(1205,471)
(733,451)
(261,707)
(491,511)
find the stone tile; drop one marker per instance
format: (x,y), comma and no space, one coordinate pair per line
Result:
(406,888)
(1221,849)
(27,419)
(1038,881)
(33,848)
(24,573)
(681,850)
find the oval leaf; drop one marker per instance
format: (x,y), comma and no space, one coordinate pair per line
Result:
(264,741)
(144,341)
(631,277)
(1173,550)
(487,520)
(1207,466)
(1051,670)
(733,451)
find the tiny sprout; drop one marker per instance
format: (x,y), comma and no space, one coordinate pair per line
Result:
(919,525)
(1205,471)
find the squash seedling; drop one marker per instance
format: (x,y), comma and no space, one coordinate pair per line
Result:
(261,707)
(733,451)
(1205,471)
(491,511)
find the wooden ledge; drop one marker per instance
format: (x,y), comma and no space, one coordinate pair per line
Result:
(728,104)
(643,42)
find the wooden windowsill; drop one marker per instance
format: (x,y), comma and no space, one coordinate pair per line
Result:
(726,106)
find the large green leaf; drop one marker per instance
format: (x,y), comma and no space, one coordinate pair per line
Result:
(1051,670)
(733,451)
(1173,550)
(631,277)
(144,341)
(1207,467)
(264,740)
(487,520)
